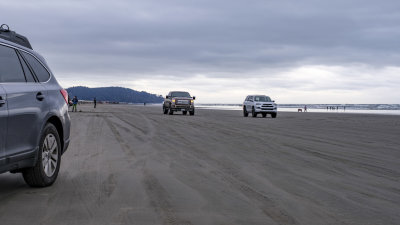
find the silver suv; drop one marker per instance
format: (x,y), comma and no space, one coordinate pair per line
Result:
(262,104)
(34,119)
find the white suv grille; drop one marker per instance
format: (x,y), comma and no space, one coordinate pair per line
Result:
(267,106)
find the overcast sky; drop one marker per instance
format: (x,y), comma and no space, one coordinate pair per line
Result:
(308,51)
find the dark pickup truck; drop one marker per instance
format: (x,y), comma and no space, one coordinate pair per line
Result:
(177,101)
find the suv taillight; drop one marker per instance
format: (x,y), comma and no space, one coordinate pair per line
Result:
(64,93)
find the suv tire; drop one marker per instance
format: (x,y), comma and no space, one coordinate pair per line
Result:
(45,172)
(184,112)
(245,113)
(273,115)
(191,112)
(253,112)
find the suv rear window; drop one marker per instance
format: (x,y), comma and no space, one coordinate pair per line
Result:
(10,66)
(40,72)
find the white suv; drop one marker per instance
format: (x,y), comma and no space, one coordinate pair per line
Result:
(256,104)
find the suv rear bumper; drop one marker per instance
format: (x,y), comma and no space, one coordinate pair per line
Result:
(66,145)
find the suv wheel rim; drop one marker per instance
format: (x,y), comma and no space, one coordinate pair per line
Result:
(49,155)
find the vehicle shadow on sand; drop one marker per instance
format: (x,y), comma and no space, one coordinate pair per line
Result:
(11,183)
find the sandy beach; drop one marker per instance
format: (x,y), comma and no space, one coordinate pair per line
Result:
(134,165)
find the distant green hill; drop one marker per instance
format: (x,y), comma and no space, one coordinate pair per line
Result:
(113,94)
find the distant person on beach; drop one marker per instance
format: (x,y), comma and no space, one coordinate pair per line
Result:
(305,108)
(95,102)
(74,104)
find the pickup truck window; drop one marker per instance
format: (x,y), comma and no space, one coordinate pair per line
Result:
(180,94)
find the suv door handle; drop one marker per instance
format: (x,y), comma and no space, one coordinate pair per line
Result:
(39,96)
(2,101)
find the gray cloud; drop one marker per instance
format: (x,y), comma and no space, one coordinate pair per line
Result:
(213,38)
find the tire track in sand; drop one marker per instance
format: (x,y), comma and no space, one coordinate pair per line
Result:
(158,196)
(159,200)
(227,172)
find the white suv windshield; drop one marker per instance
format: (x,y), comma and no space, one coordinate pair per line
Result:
(262,99)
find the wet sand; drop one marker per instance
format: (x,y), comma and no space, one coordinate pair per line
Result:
(134,165)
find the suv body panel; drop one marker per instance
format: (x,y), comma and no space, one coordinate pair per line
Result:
(25,113)
(22,106)
(3,124)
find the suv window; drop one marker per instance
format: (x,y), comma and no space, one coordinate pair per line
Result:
(250,98)
(39,70)
(28,74)
(10,66)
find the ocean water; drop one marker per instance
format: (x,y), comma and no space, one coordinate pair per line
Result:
(392,109)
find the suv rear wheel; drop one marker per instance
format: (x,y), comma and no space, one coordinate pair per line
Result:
(45,172)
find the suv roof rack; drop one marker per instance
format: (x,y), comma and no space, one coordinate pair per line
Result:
(9,35)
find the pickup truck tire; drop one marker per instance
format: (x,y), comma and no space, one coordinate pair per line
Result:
(45,172)
(165,109)
(191,113)
(184,112)
(264,115)
(245,113)
(253,112)
(273,115)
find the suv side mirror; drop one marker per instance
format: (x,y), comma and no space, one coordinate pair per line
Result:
(194,97)
(273,100)
(166,96)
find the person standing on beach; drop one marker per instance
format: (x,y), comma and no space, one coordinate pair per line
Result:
(305,108)
(74,104)
(95,102)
